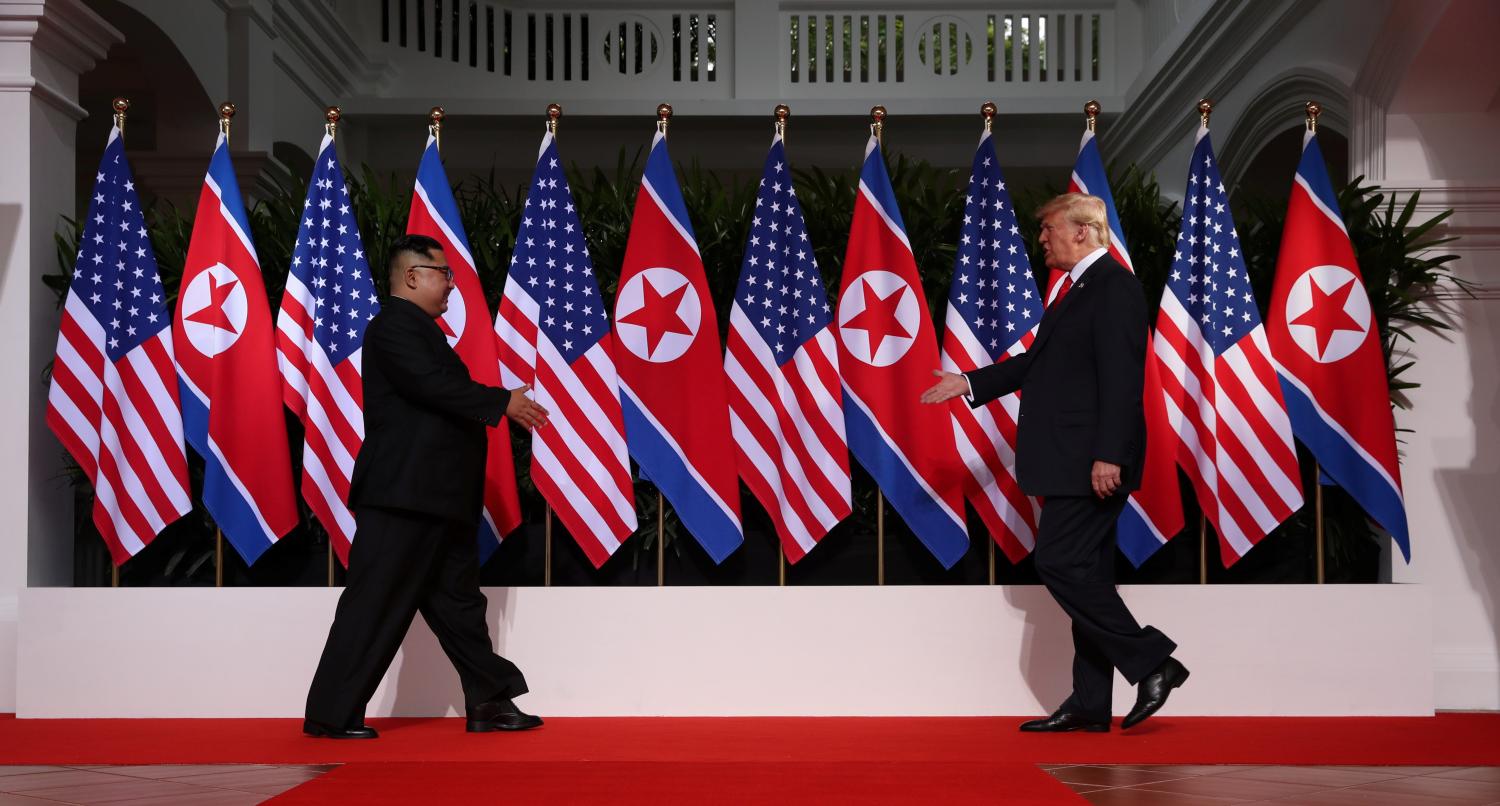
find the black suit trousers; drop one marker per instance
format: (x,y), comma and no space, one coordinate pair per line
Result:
(402,563)
(1075,557)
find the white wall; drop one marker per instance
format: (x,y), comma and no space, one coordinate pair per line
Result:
(706,651)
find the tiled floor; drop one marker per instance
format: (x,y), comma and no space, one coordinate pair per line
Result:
(205,784)
(1164,785)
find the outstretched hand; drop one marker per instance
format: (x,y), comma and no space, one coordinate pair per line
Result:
(525,411)
(949,386)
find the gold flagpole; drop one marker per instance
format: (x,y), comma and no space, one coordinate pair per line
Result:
(332,115)
(877,128)
(435,125)
(1313,109)
(660,539)
(121,106)
(1205,108)
(547,563)
(1091,112)
(663,117)
(987,110)
(780,114)
(554,112)
(1318,518)
(1202,549)
(226,116)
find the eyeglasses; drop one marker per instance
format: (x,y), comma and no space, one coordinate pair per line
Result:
(447,272)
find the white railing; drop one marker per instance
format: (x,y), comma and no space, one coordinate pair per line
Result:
(831,52)
(953,53)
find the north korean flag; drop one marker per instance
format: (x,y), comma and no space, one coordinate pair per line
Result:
(1327,351)
(887,349)
(226,365)
(671,365)
(467,326)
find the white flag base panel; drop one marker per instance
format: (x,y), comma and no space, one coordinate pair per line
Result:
(1264,650)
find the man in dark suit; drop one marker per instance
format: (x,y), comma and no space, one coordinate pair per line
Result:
(1081,441)
(416,492)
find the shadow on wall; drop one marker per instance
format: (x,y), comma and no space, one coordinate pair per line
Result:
(1469,492)
(1046,652)
(423,683)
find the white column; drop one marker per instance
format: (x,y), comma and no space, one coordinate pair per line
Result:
(44,46)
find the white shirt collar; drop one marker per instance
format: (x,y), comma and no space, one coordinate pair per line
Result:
(1083,265)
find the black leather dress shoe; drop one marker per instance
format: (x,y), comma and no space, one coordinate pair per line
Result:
(321,730)
(1064,721)
(499,714)
(1152,692)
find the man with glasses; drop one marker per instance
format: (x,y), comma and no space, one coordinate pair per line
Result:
(416,493)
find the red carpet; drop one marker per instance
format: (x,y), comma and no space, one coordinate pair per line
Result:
(960,760)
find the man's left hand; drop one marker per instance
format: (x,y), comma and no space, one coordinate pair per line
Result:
(525,411)
(1106,479)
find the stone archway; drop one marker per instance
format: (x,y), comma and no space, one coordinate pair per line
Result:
(170,125)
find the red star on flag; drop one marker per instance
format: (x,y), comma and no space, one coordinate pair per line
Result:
(1327,314)
(658,315)
(213,313)
(878,317)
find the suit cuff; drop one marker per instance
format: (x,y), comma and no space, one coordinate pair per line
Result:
(969,395)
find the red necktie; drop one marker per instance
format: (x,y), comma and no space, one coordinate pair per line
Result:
(1062,291)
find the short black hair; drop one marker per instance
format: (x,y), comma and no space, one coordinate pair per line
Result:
(414,244)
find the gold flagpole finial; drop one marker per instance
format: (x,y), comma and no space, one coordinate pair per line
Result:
(226,115)
(1091,112)
(554,113)
(781,113)
(988,110)
(333,115)
(877,123)
(121,106)
(1205,108)
(663,117)
(1313,110)
(435,124)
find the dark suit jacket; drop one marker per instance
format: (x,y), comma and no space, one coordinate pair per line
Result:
(1081,385)
(425,419)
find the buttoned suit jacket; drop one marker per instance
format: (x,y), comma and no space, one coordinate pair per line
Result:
(424,448)
(1081,385)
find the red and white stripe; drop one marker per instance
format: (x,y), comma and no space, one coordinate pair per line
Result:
(122,422)
(579,462)
(986,439)
(1234,439)
(788,426)
(328,398)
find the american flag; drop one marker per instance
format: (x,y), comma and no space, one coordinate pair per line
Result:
(114,400)
(554,334)
(1232,434)
(993,311)
(785,406)
(329,298)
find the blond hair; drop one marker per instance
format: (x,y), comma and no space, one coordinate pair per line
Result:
(1083,210)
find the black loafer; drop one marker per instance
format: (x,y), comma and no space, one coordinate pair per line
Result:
(320,730)
(1152,692)
(1064,721)
(501,714)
